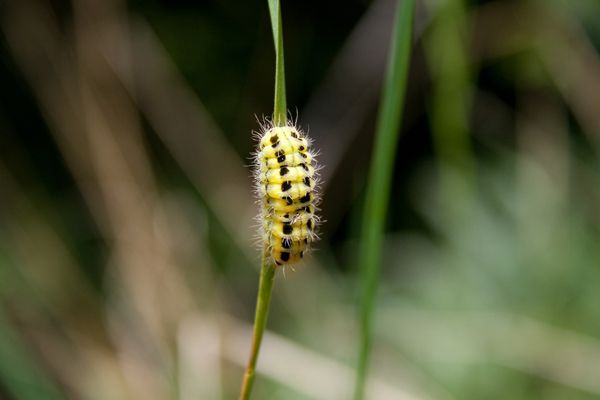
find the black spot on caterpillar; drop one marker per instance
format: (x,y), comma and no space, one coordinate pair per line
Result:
(305,199)
(285,186)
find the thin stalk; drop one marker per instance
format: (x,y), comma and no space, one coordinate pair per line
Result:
(265,288)
(447,55)
(280,107)
(380,174)
(267,271)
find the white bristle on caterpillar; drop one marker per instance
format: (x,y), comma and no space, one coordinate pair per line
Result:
(286,183)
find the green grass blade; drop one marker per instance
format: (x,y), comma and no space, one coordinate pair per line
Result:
(265,289)
(280,106)
(448,58)
(380,174)
(268,269)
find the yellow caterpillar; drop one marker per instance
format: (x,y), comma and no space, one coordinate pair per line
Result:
(286,181)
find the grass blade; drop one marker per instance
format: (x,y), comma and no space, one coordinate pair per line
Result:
(378,188)
(448,59)
(267,271)
(280,106)
(265,288)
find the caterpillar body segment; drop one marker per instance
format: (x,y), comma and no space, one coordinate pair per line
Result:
(291,174)
(287,189)
(288,160)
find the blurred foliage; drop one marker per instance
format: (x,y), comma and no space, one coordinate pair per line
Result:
(127,264)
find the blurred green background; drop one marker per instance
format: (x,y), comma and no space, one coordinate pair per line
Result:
(128,265)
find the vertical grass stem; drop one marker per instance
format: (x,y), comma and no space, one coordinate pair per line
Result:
(267,272)
(380,174)
(265,288)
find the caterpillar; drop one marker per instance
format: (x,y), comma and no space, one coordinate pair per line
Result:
(286,183)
